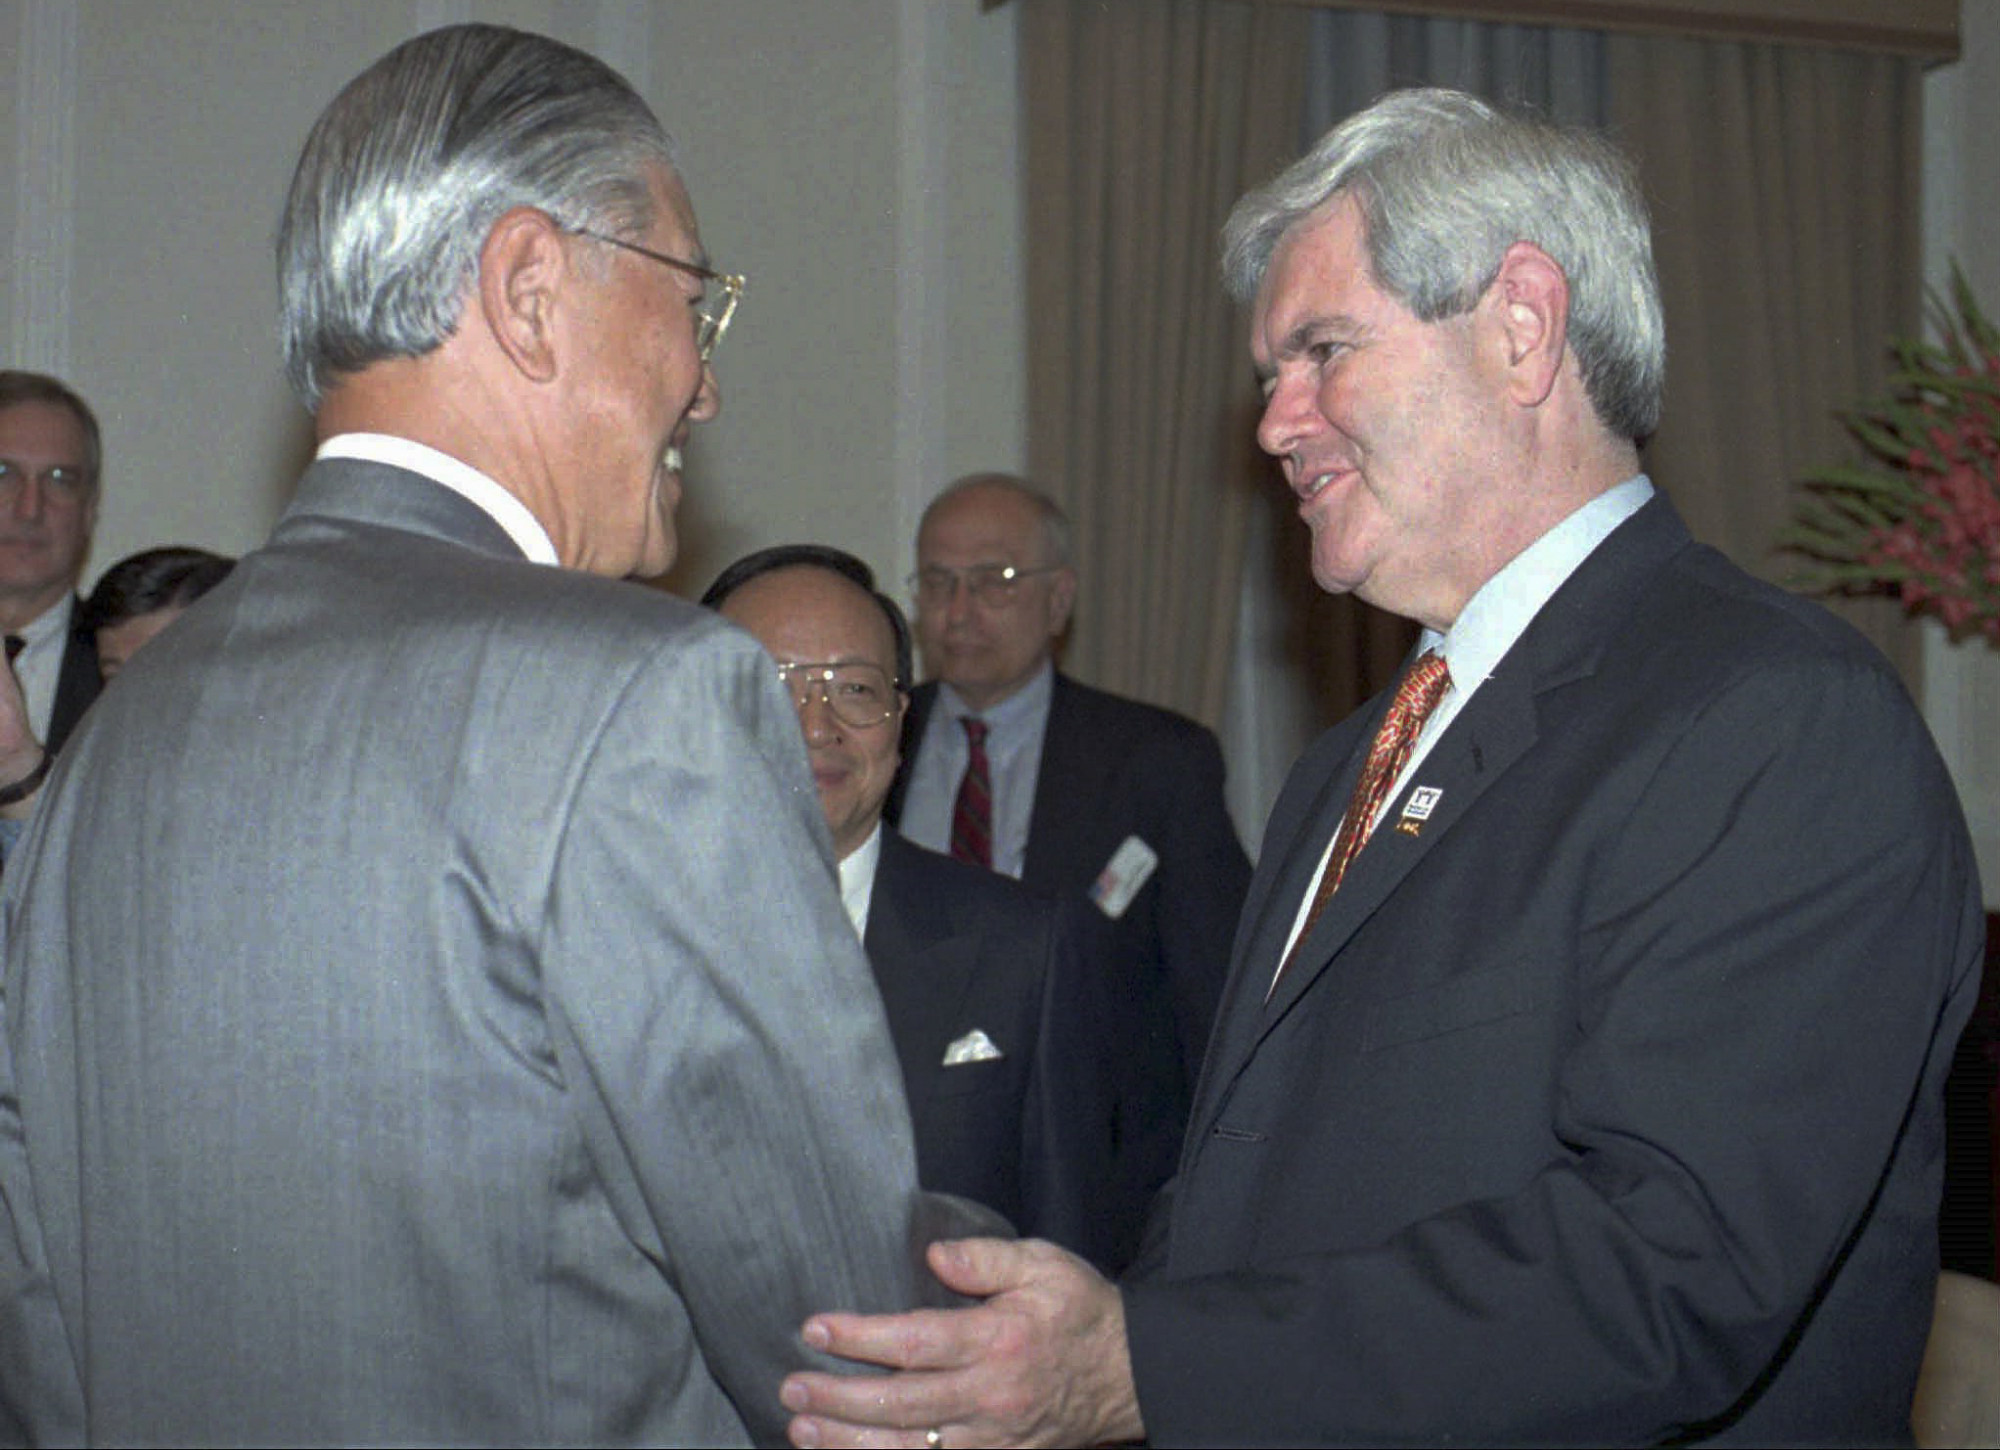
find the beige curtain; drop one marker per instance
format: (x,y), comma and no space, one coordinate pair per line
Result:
(1784,185)
(1145,120)
(1784,182)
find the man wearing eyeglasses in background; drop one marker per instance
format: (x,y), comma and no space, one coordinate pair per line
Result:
(447,1032)
(1090,797)
(50,459)
(987,1001)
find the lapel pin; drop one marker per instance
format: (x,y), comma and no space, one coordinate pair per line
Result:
(1423,800)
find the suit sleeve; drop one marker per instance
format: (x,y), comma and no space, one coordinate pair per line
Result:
(718,1024)
(41,1398)
(1760,957)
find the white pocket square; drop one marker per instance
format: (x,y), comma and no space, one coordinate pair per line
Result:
(975,1046)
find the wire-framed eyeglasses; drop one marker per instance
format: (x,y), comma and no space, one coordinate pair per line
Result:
(860,695)
(712,313)
(68,482)
(992,585)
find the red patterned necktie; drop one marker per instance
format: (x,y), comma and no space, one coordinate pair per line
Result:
(972,812)
(1417,694)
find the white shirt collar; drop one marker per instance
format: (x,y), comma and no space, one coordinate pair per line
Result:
(1507,603)
(857,879)
(1030,702)
(51,624)
(484,493)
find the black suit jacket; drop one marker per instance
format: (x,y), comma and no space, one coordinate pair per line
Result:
(1602,1105)
(956,950)
(1113,768)
(77,684)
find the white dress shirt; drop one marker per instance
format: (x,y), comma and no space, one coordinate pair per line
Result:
(1014,731)
(455,474)
(39,665)
(857,879)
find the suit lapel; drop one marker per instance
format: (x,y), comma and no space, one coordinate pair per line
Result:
(1498,725)
(77,682)
(923,966)
(1293,846)
(1495,729)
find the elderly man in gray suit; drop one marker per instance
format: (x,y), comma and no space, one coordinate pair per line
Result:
(407,1039)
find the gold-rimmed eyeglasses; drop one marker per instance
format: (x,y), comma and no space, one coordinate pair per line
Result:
(860,695)
(713,313)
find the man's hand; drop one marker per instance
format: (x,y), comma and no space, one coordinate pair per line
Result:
(1042,1362)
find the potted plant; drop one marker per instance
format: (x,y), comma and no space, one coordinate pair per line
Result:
(1920,518)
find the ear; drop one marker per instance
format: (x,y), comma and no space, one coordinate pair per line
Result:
(1530,301)
(1062,598)
(521,269)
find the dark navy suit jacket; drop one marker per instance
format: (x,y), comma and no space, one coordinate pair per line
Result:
(77,684)
(958,950)
(1113,768)
(1603,1104)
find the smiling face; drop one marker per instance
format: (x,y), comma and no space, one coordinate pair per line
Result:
(807,615)
(640,388)
(1387,427)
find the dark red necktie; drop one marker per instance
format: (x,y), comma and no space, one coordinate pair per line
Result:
(15,644)
(972,812)
(1417,694)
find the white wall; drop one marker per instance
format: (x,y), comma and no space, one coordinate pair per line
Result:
(1961,179)
(854,157)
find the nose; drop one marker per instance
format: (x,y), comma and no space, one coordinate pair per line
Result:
(959,604)
(816,717)
(708,397)
(28,498)
(1289,415)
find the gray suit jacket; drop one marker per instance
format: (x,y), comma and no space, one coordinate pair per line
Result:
(430,1017)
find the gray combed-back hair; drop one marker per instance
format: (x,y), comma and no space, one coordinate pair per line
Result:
(409,167)
(1445,184)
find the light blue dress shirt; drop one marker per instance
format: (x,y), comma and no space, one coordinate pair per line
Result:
(1015,728)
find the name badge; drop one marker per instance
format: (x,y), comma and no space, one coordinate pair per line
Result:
(1129,868)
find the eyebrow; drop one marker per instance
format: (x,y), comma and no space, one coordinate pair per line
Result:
(1301,336)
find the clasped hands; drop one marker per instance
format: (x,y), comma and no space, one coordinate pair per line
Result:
(1042,1360)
